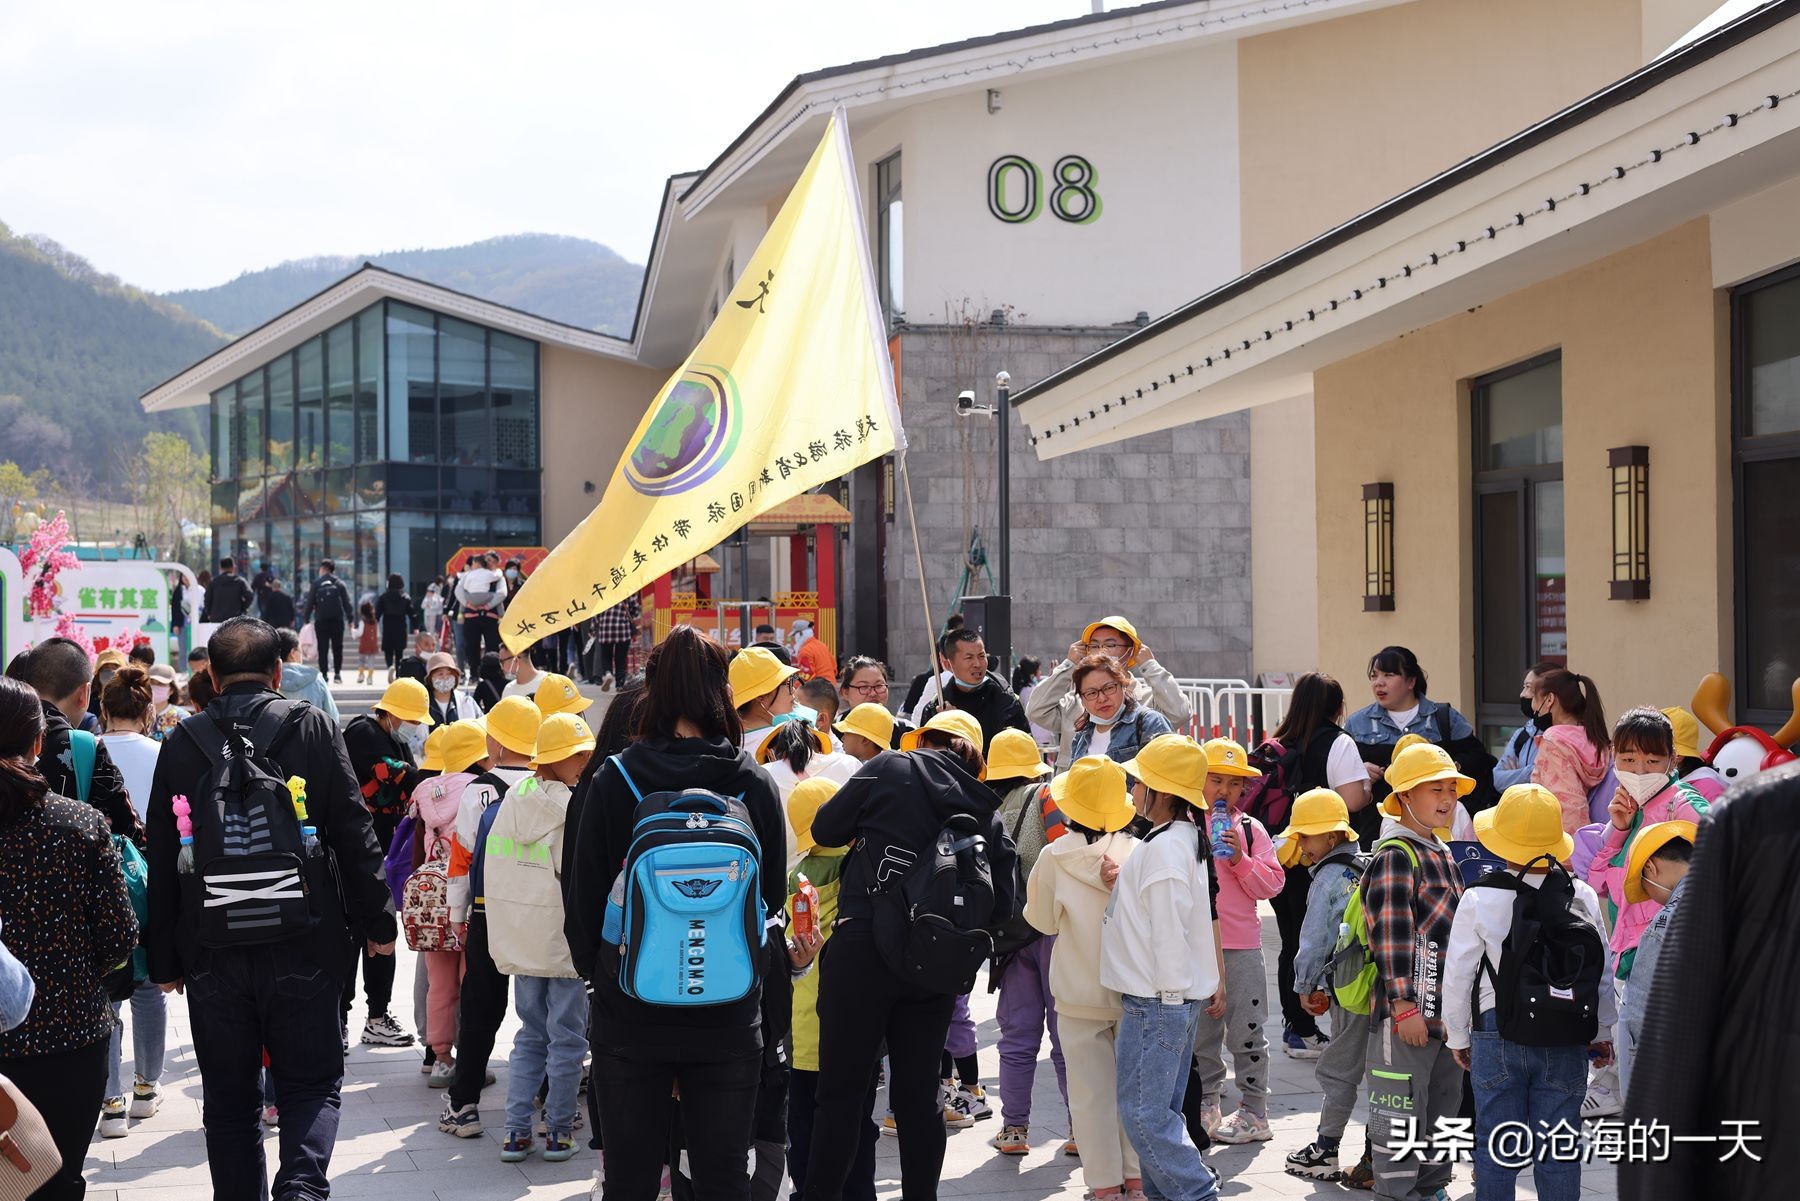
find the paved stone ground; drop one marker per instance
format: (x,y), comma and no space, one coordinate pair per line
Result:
(389,1145)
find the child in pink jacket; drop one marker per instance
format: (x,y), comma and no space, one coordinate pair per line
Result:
(1574,752)
(1248,872)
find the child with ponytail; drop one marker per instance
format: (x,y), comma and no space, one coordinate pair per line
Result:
(1575,753)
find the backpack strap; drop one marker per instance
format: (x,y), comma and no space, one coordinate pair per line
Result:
(618,761)
(84,748)
(1442,719)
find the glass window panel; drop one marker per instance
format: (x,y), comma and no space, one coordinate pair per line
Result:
(281,556)
(340,395)
(467,490)
(371,545)
(1551,581)
(1502,590)
(371,487)
(412,486)
(309,547)
(458,531)
(516,492)
(252,499)
(1772,347)
(250,425)
(224,430)
(340,491)
(412,384)
(224,503)
(309,405)
(1523,417)
(370,357)
(413,549)
(281,415)
(1771,583)
(890,237)
(309,492)
(252,543)
(513,531)
(515,393)
(462,393)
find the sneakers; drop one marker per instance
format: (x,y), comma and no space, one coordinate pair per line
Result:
(1070,1149)
(112,1118)
(1304,1046)
(1362,1176)
(1600,1102)
(1209,1118)
(442,1072)
(558,1147)
(463,1121)
(1012,1140)
(970,1100)
(1313,1162)
(146,1098)
(384,1031)
(1243,1127)
(516,1147)
(271,1116)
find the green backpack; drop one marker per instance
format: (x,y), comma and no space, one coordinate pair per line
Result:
(1353,963)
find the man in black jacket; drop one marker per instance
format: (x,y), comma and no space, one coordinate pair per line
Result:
(228,595)
(277,606)
(328,607)
(973,689)
(276,996)
(60,672)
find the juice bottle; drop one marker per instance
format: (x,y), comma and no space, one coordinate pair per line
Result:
(806,908)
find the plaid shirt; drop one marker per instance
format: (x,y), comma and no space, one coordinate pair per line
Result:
(1410,914)
(617,624)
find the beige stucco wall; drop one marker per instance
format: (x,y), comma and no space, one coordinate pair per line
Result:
(590,406)
(1284,590)
(1645,356)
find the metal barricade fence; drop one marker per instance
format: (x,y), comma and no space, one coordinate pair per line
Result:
(1233,708)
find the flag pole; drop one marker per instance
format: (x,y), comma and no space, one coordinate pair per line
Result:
(912,519)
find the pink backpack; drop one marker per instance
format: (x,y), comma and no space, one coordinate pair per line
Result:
(425,907)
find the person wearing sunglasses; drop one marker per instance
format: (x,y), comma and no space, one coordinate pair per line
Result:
(1055,706)
(1111,722)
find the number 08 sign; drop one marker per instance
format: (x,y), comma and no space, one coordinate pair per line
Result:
(1016,190)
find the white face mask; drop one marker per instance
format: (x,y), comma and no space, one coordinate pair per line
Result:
(1642,785)
(443,685)
(412,733)
(159,693)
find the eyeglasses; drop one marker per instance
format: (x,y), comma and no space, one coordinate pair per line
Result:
(1105,692)
(866,689)
(1110,648)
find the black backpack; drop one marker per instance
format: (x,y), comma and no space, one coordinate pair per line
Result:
(251,877)
(1015,934)
(1547,989)
(332,601)
(931,924)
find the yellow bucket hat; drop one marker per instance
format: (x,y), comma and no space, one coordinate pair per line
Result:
(756,672)
(1651,839)
(951,721)
(1687,732)
(560,736)
(407,700)
(1014,755)
(1172,763)
(433,758)
(513,723)
(871,721)
(1093,793)
(1118,623)
(820,740)
(1226,758)
(1525,824)
(464,744)
(558,694)
(1318,811)
(1421,763)
(803,804)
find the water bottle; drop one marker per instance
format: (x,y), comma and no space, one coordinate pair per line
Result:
(309,842)
(184,861)
(1220,829)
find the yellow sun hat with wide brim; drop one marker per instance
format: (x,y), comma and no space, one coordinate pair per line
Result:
(871,721)
(756,672)
(1318,811)
(1226,758)
(1172,763)
(803,804)
(561,736)
(1651,839)
(514,722)
(1094,793)
(1421,763)
(1117,623)
(763,754)
(1687,732)
(433,758)
(407,700)
(950,721)
(1526,824)
(1014,755)
(463,744)
(558,694)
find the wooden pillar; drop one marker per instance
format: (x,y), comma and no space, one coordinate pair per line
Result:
(662,599)
(826,587)
(799,565)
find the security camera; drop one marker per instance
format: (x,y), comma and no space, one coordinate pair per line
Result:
(965,404)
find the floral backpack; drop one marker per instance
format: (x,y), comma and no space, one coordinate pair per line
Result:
(425,903)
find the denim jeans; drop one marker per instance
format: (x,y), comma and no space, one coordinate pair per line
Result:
(241,1001)
(1154,1044)
(1534,1087)
(552,1040)
(149,1028)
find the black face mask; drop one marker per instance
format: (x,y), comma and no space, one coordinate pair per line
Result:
(1526,709)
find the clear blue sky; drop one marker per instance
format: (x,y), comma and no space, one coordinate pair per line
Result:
(176,144)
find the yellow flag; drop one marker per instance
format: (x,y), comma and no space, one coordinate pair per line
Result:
(790,388)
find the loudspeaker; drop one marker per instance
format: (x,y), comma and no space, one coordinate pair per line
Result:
(991,617)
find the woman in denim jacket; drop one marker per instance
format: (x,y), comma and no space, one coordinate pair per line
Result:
(1112,723)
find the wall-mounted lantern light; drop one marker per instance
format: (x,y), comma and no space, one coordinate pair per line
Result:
(1378,548)
(1630,470)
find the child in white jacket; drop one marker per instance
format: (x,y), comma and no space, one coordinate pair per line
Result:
(1066,897)
(521,877)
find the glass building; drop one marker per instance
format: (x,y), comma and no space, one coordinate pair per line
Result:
(388,443)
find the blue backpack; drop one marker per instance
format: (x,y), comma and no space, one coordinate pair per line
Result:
(686,911)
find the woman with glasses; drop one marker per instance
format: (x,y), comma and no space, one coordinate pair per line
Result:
(866,683)
(1112,722)
(1055,708)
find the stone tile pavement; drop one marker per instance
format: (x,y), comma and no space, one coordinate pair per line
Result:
(389,1145)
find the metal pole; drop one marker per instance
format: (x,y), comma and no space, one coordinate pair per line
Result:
(744,571)
(1002,397)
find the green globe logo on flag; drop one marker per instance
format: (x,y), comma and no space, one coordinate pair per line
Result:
(693,435)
